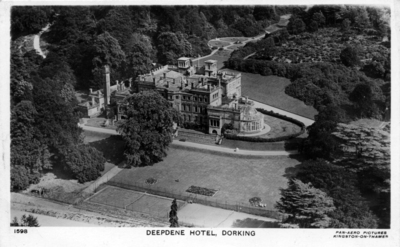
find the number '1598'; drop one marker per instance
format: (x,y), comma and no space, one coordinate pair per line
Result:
(20,230)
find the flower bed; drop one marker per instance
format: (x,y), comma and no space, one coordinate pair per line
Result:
(151,181)
(201,191)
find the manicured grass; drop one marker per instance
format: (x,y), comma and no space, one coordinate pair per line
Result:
(279,127)
(235,47)
(272,28)
(234,39)
(115,197)
(271,90)
(218,43)
(236,179)
(220,56)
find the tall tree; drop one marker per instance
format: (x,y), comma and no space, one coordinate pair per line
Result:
(319,18)
(147,130)
(107,52)
(345,26)
(306,205)
(341,185)
(173,214)
(85,162)
(349,56)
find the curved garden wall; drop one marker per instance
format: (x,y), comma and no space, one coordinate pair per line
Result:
(234,136)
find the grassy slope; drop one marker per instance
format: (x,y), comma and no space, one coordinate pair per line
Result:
(271,90)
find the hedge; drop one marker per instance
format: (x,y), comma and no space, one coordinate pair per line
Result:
(275,139)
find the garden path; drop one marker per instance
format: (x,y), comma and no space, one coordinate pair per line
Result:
(36,41)
(204,147)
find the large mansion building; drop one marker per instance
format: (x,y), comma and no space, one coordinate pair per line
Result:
(205,96)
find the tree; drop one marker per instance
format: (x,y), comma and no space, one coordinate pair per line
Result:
(173,215)
(345,25)
(340,184)
(147,130)
(107,52)
(306,205)
(313,27)
(319,18)
(349,57)
(320,143)
(296,26)
(29,221)
(85,162)
(362,97)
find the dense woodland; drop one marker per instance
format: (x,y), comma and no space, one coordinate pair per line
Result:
(44,129)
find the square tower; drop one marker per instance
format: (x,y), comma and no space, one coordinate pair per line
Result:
(210,68)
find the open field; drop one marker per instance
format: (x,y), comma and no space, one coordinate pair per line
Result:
(235,179)
(218,43)
(271,90)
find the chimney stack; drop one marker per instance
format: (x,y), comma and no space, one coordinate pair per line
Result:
(192,85)
(91,90)
(208,87)
(106,85)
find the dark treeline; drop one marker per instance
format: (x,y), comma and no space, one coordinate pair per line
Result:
(131,38)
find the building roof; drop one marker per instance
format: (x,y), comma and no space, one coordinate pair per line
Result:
(173,74)
(211,61)
(250,113)
(183,58)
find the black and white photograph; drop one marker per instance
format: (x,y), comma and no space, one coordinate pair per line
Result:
(199,124)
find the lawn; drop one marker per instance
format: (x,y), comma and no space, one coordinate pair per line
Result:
(220,56)
(272,28)
(235,47)
(279,127)
(271,90)
(236,179)
(218,43)
(234,39)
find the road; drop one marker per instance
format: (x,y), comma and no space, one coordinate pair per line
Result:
(36,41)
(201,146)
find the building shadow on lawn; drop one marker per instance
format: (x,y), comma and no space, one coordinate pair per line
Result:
(254,223)
(112,148)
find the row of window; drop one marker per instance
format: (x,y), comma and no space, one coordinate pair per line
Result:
(196,119)
(214,96)
(195,98)
(214,123)
(191,108)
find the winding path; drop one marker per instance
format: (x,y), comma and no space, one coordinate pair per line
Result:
(36,41)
